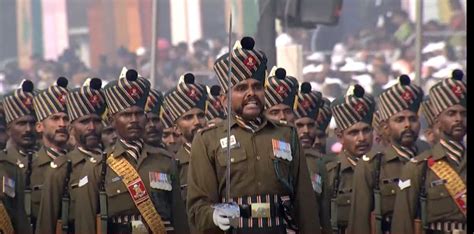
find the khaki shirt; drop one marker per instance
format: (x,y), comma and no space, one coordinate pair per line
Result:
(169,204)
(183,158)
(13,201)
(440,206)
(53,189)
(363,190)
(318,174)
(252,172)
(40,166)
(344,191)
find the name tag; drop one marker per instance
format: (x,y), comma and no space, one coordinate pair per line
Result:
(282,150)
(438,182)
(233,142)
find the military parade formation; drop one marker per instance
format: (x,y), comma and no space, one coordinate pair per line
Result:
(245,156)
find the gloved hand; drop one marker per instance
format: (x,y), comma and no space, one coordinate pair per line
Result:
(222,214)
(220,219)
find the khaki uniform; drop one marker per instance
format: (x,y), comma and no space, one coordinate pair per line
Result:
(183,157)
(440,206)
(13,199)
(53,189)
(363,190)
(120,205)
(318,174)
(253,178)
(15,157)
(344,192)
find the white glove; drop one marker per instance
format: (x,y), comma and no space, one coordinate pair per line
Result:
(220,219)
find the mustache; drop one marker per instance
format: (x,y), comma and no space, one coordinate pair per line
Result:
(134,126)
(93,134)
(29,134)
(61,130)
(408,131)
(362,145)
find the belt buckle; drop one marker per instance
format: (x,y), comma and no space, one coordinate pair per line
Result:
(138,227)
(260,210)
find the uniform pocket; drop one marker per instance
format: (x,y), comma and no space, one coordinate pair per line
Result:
(343,202)
(116,188)
(388,192)
(236,155)
(439,202)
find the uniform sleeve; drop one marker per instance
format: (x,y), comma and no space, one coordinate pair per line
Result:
(362,198)
(406,200)
(51,196)
(87,206)
(306,207)
(21,219)
(202,186)
(325,201)
(180,220)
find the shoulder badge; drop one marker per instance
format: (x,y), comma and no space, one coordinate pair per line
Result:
(414,160)
(365,158)
(92,160)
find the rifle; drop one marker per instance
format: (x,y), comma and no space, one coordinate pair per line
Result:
(335,187)
(376,215)
(62,225)
(420,222)
(28,187)
(101,219)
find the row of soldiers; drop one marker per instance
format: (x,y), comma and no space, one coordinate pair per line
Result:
(166,170)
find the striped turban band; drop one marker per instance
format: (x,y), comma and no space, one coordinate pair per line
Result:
(355,107)
(214,107)
(19,102)
(166,117)
(51,100)
(449,92)
(86,100)
(308,102)
(246,63)
(399,97)
(186,96)
(427,110)
(324,115)
(129,90)
(280,89)
(154,102)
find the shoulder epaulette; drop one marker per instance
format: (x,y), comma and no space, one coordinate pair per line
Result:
(207,128)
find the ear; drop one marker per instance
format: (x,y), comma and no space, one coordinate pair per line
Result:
(338,133)
(39,126)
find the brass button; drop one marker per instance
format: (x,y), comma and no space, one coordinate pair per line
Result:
(232,159)
(393,191)
(348,201)
(442,194)
(118,190)
(258,157)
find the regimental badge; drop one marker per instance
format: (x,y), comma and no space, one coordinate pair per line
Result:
(62,99)
(359,107)
(282,90)
(20,164)
(317,183)
(8,186)
(457,90)
(137,190)
(250,62)
(160,180)
(94,100)
(53,165)
(92,160)
(282,150)
(133,91)
(407,96)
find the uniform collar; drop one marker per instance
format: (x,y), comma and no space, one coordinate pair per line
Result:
(404,153)
(233,123)
(42,157)
(347,160)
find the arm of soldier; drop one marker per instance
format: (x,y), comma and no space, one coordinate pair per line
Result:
(51,195)
(21,219)
(362,198)
(178,209)
(202,186)
(325,201)
(306,207)
(406,199)
(88,192)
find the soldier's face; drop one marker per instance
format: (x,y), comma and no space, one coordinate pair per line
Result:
(190,122)
(109,136)
(87,131)
(306,128)
(357,139)
(320,141)
(153,129)
(130,123)
(248,97)
(54,129)
(22,132)
(403,128)
(172,139)
(280,112)
(452,122)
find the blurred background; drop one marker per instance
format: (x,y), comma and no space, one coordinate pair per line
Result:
(330,43)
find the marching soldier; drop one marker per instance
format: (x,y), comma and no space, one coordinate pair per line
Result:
(381,140)
(353,114)
(376,175)
(431,132)
(85,105)
(215,112)
(280,92)
(187,106)
(53,123)
(268,174)
(307,106)
(432,186)
(171,136)
(154,126)
(321,134)
(135,187)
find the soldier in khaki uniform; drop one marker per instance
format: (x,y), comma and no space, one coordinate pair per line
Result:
(280,92)
(187,106)
(307,106)
(85,105)
(171,136)
(215,112)
(13,217)
(53,122)
(436,179)
(154,125)
(268,169)
(135,187)
(376,175)
(381,140)
(322,123)
(431,132)
(353,114)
